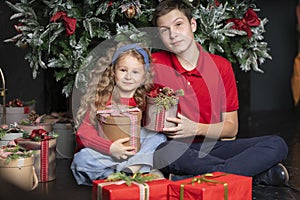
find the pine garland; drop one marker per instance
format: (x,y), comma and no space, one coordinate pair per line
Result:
(52,45)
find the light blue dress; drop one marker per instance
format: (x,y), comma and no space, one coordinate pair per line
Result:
(89,165)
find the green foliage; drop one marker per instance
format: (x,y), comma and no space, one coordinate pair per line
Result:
(2,132)
(98,20)
(137,177)
(218,37)
(166,98)
(16,152)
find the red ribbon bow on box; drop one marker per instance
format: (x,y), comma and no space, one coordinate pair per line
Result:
(40,135)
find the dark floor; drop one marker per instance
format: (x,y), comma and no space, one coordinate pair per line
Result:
(285,124)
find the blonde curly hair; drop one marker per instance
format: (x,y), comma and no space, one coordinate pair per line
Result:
(102,85)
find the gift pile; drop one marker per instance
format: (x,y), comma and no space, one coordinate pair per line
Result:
(161,103)
(217,185)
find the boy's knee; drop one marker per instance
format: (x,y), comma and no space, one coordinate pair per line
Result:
(279,144)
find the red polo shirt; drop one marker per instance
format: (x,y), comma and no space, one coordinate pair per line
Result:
(209,89)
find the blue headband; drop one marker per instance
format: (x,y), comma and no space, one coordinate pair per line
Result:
(132,46)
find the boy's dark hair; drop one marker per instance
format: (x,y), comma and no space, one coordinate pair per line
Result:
(166,6)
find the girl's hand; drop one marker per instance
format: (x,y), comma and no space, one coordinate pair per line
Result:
(185,127)
(120,151)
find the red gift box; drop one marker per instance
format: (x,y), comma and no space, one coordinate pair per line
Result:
(118,190)
(217,185)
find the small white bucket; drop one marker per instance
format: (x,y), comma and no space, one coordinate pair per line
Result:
(66,143)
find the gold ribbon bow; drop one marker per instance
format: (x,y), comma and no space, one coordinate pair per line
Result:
(204,179)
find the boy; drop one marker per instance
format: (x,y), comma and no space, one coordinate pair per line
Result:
(204,139)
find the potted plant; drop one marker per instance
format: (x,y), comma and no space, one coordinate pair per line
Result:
(16,167)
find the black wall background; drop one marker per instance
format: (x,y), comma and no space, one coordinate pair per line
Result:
(268,91)
(272,89)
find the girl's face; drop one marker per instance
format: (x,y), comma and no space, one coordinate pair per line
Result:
(176,31)
(129,75)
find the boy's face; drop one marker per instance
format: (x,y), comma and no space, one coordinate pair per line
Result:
(176,31)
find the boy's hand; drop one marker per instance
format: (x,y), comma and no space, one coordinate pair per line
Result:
(120,151)
(185,127)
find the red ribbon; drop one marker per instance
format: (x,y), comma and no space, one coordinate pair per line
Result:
(249,20)
(70,23)
(44,168)
(160,120)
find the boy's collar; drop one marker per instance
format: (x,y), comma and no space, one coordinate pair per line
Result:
(180,70)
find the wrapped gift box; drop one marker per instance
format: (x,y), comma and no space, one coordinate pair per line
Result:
(8,137)
(217,185)
(19,172)
(118,190)
(30,127)
(44,157)
(155,118)
(115,125)
(16,110)
(15,114)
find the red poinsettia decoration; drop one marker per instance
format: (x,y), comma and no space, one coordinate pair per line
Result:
(217,3)
(70,23)
(110,3)
(249,20)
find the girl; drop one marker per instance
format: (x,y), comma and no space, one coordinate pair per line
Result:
(125,81)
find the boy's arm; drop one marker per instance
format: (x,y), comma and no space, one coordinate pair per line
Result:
(228,128)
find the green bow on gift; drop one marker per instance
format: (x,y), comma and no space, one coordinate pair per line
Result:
(136,177)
